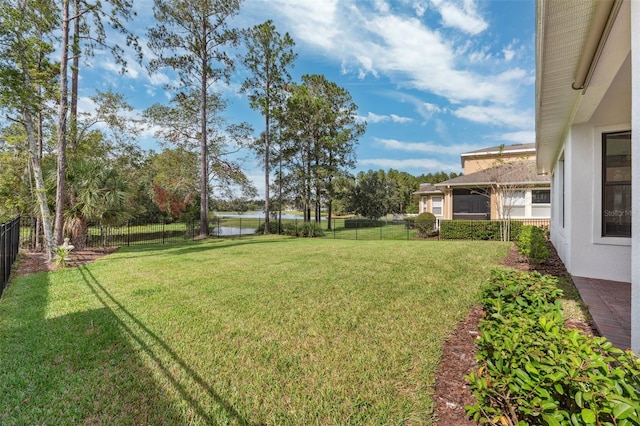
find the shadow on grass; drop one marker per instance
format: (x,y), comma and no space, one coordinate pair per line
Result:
(201,246)
(71,369)
(166,360)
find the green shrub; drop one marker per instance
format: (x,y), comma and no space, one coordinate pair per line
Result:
(533,371)
(302,229)
(273,227)
(533,244)
(425,223)
(477,229)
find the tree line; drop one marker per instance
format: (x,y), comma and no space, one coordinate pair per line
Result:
(68,167)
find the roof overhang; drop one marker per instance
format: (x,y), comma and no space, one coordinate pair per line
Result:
(570,41)
(483,184)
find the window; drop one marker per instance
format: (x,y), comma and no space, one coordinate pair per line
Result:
(436,206)
(541,196)
(514,203)
(616,184)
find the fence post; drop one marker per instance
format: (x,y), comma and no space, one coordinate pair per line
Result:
(357,223)
(3,274)
(163,232)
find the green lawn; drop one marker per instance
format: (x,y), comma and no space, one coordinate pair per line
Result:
(258,330)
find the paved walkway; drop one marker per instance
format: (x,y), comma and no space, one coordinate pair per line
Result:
(609,304)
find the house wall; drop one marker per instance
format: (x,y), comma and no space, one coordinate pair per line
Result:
(473,164)
(578,239)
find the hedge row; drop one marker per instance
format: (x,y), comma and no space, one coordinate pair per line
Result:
(534,371)
(363,223)
(477,229)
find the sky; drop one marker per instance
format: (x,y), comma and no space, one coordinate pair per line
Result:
(431,78)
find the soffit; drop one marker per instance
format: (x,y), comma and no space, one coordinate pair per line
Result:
(562,29)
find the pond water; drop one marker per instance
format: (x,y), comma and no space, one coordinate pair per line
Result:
(226,231)
(258,215)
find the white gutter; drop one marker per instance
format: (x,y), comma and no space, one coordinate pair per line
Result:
(603,18)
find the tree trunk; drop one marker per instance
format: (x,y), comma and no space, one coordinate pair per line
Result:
(41,192)
(75,70)
(267,147)
(62,128)
(204,160)
(34,158)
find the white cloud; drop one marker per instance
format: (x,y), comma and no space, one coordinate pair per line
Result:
(518,137)
(381,6)
(314,22)
(419,164)
(420,8)
(400,47)
(480,56)
(373,118)
(508,54)
(425,109)
(426,147)
(401,120)
(463,16)
(496,115)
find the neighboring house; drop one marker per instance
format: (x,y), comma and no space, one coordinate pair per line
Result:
(587,137)
(498,182)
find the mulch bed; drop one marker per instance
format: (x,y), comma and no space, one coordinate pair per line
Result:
(30,262)
(451,393)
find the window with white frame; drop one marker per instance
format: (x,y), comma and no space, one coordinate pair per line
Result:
(436,205)
(540,203)
(514,203)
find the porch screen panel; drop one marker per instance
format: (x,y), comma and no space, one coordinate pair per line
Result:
(468,204)
(616,184)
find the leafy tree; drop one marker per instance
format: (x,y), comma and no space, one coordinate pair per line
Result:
(373,194)
(268,57)
(175,182)
(177,128)
(15,176)
(83,24)
(320,129)
(191,37)
(97,193)
(26,77)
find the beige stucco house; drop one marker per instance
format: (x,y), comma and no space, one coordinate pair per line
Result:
(587,113)
(498,182)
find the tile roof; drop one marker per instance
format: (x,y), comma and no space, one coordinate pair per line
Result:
(427,188)
(515,172)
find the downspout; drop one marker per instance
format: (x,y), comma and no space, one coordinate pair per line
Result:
(603,19)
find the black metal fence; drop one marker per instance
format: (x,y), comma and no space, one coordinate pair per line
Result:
(9,244)
(133,234)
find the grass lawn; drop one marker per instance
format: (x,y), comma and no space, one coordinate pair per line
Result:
(258,330)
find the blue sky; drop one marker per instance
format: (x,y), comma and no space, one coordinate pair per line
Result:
(432,78)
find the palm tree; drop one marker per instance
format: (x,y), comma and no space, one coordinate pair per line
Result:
(96,193)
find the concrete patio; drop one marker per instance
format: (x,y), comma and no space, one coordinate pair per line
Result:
(609,304)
